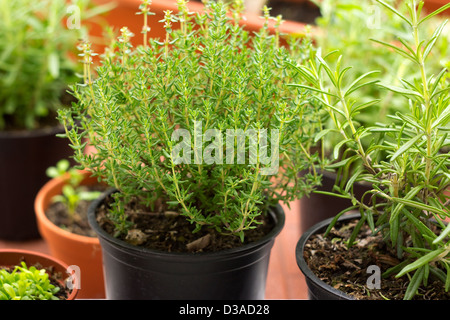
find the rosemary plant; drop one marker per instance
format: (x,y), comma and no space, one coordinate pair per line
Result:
(347,26)
(409,202)
(37,41)
(202,120)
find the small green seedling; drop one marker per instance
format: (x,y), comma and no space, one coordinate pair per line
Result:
(72,192)
(26,283)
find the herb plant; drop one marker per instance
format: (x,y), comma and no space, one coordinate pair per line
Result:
(26,283)
(346,26)
(409,204)
(166,120)
(37,59)
(72,192)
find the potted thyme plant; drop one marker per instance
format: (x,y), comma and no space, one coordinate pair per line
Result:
(402,231)
(201,138)
(38,61)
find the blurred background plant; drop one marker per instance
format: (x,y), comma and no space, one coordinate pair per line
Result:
(38,42)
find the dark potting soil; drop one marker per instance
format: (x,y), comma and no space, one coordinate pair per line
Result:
(305,12)
(345,268)
(56,279)
(58,214)
(170,232)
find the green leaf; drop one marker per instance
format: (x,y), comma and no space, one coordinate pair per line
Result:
(305,72)
(394,225)
(447,278)
(421,261)
(414,284)
(419,224)
(443,234)
(433,39)
(313,89)
(431,15)
(338,146)
(353,178)
(353,86)
(401,90)
(322,133)
(9,290)
(53,65)
(342,162)
(89,195)
(365,105)
(52,172)
(327,193)
(405,147)
(395,11)
(442,119)
(63,165)
(419,205)
(402,52)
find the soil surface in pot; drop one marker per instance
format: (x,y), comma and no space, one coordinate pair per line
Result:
(56,279)
(58,214)
(170,232)
(305,12)
(345,268)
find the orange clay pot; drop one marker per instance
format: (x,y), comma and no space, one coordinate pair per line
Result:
(124,14)
(432,5)
(13,257)
(82,251)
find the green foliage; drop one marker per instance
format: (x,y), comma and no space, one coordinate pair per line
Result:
(347,25)
(26,283)
(409,203)
(72,192)
(37,51)
(206,77)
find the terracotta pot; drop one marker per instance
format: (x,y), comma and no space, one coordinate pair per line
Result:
(13,257)
(125,15)
(82,251)
(432,5)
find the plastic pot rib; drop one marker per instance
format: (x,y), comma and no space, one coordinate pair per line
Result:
(317,289)
(133,272)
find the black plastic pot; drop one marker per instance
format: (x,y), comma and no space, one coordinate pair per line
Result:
(132,272)
(24,157)
(318,207)
(317,289)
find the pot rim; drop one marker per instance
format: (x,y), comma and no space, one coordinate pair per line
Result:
(40,208)
(32,133)
(277,213)
(39,256)
(303,265)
